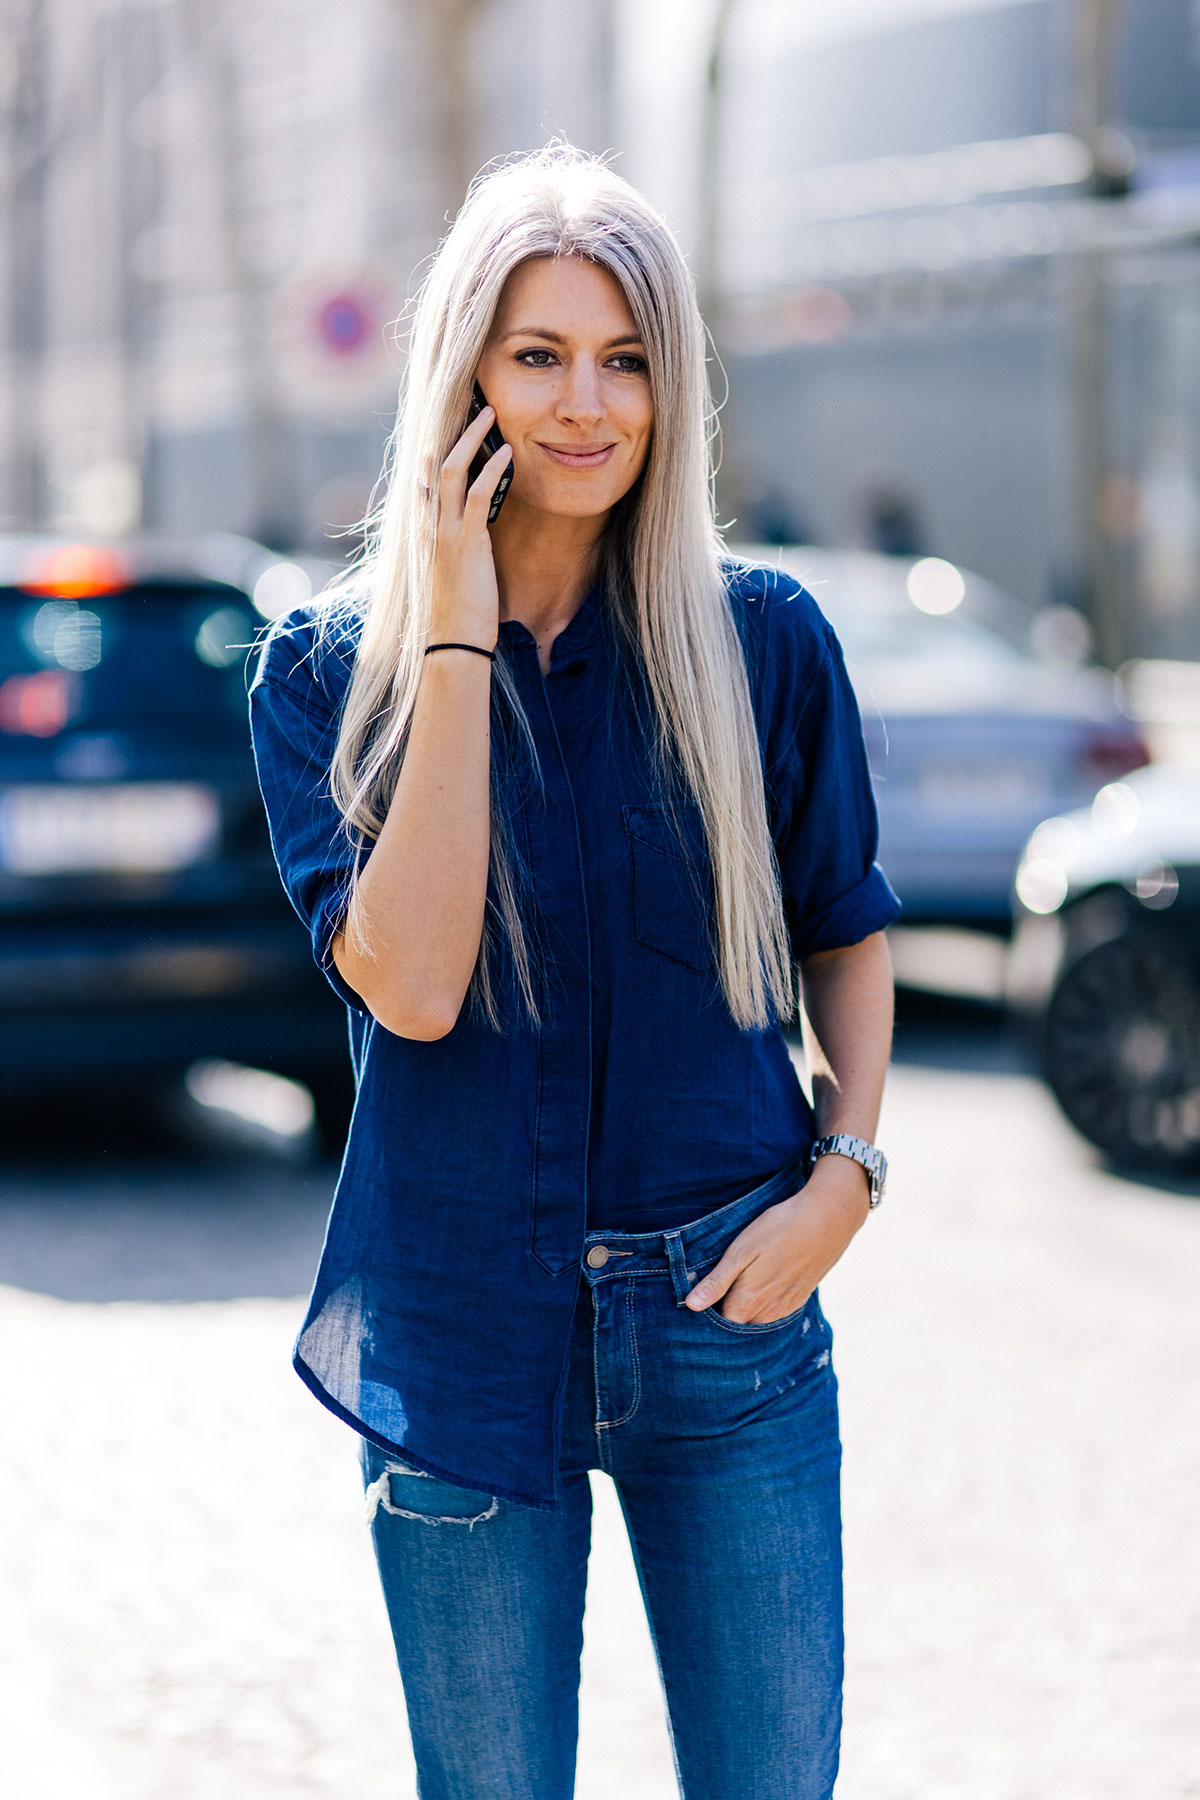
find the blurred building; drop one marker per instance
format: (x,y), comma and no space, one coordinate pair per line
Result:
(210,213)
(956,241)
(947,248)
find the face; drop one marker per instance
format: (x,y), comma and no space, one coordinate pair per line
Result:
(566,371)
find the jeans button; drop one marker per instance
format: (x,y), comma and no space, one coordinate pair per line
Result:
(597,1256)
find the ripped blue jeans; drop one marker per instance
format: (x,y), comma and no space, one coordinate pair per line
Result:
(722,1440)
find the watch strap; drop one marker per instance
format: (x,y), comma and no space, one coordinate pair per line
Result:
(870,1156)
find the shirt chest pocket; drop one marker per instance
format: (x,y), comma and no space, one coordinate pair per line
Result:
(670,885)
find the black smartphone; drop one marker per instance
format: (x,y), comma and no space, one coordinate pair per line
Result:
(491,443)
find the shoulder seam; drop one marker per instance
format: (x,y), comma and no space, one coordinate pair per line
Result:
(280,684)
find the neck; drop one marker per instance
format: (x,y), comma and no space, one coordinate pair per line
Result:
(544,566)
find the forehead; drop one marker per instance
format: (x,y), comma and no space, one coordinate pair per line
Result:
(565,294)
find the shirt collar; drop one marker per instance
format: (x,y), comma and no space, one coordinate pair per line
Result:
(578,632)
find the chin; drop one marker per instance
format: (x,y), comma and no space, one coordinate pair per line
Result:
(576,501)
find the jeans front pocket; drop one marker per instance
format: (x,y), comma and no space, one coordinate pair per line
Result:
(671,884)
(752,1327)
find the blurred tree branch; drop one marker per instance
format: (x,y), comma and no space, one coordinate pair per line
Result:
(37,124)
(212,55)
(27,154)
(708,244)
(448,26)
(708,248)
(1096,26)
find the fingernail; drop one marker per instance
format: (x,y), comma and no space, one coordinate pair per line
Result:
(698,1297)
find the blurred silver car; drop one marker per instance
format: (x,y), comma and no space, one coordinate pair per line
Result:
(1106,959)
(976,728)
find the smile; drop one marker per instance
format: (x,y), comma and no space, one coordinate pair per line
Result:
(583,456)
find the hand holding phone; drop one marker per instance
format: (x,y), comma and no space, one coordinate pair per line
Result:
(492,442)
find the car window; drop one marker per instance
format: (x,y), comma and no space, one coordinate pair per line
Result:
(173,653)
(898,633)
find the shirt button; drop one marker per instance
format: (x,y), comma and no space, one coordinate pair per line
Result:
(597,1256)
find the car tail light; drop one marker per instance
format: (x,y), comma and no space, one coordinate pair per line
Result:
(38,705)
(76,571)
(1106,754)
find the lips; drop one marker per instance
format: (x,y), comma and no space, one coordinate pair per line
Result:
(579,456)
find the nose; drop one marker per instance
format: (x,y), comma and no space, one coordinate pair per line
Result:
(581,398)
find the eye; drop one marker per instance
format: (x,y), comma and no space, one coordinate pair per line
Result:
(525,357)
(627,363)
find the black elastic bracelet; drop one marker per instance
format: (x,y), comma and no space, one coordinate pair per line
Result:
(477,648)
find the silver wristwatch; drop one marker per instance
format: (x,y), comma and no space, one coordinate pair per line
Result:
(872,1159)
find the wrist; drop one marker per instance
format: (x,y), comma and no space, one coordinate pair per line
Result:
(462,634)
(447,625)
(839,1184)
(845,1145)
(459,647)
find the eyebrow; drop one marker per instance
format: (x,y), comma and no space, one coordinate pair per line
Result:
(553,337)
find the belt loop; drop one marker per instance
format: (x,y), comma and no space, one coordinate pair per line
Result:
(681,1276)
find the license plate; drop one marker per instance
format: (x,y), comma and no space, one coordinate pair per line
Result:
(143,828)
(968,789)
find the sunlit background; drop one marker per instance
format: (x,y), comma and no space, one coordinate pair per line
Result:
(949,255)
(946,249)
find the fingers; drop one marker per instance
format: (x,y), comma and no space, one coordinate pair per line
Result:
(459,459)
(717,1282)
(455,495)
(483,487)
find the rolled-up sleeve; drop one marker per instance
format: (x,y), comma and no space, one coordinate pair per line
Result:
(824,822)
(294,727)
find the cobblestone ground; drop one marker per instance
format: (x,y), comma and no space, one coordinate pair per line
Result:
(189,1606)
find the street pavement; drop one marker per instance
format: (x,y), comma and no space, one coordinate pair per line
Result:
(188,1602)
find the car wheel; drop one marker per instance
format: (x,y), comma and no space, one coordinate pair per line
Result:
(1122,1051)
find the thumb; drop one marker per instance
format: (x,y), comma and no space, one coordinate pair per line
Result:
(717,1282)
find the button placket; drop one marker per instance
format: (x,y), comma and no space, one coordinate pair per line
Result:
(559,1201)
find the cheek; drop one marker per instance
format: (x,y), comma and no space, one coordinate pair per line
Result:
(638,423)
(520,418)
(644,441)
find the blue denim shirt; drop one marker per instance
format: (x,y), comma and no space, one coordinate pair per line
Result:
(439,1325)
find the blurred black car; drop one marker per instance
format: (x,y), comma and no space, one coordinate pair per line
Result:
(1106,961)
(143,922)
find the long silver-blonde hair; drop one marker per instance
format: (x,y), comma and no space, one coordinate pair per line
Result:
(660,559)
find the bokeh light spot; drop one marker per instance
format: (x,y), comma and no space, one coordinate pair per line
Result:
(281,588)
(222,638)
(935,586)
(1116,810)
(1041,884)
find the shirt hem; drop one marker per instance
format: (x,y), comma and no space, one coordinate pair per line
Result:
(413,1458)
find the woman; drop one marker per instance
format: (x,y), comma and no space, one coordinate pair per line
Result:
(564,800)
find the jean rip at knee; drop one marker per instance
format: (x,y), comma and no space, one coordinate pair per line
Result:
(378,1493)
